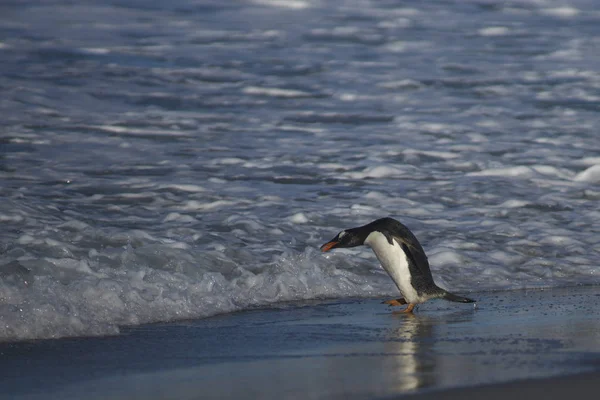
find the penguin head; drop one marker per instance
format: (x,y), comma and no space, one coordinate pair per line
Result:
(356,236)
(347,238)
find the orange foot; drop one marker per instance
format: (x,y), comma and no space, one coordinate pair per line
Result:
(408,309)
(394,302)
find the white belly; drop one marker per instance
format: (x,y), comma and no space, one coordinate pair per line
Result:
(394,261)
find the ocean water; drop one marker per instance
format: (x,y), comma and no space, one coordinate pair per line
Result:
(172,160)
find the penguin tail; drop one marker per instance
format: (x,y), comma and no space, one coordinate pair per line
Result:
(457,299)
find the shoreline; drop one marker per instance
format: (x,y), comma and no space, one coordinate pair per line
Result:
(581,385)
(351,349)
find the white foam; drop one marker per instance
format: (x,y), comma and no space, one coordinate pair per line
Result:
(291,4)
(168,281)
(402,46)
(257,164)
(525,172)
(592,174)
(184,187)
(590,161)
(96,50)
(364,209)
(375,195)
(442,257)
(341,31)
(519,172)
(553,171)
(125,130)
(298,218)
(564,12)
(179,218)
(248,223)
(275,92)
(400,22)
(71,264)
(505,258)
(494,31)
(228,161)
(195,205)
(379,171)
(431,153)
(74,225)
(561,241)
(10,218)
(401,84)
(435,126)
(333,166)
(404,11)
(513,203)
(25,239)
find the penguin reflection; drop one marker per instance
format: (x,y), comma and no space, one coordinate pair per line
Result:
(414,344)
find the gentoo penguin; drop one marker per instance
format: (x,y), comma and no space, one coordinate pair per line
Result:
(402,257)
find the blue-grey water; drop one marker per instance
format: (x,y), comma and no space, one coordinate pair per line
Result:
(169,160)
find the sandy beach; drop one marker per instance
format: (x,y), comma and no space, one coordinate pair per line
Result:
(355,349)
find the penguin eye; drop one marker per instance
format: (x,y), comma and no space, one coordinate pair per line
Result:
(341,234)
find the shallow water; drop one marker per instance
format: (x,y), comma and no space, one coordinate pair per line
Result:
(179,160)
(337,349)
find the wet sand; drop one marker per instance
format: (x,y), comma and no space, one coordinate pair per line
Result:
(533,341)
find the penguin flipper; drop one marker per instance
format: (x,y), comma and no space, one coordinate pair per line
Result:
(394,302)
(457,299)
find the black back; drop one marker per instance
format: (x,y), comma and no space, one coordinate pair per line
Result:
(418,265)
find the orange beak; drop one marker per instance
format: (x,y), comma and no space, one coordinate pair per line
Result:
(328,246)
